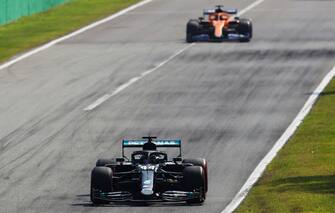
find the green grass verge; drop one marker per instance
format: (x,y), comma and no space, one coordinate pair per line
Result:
(302,177)
(31,31)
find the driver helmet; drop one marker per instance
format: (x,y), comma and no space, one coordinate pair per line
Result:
(154,158)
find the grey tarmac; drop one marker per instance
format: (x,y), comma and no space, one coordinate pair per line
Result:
(228,102)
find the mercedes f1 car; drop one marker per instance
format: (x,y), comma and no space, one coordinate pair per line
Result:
(219,25)
(149,175)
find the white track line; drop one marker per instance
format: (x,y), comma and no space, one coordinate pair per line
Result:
(51,43)
(133,80)
(279,144)
(251,6)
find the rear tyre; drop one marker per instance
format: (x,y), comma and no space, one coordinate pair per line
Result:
(192,29)
(200,162)
(245,28)
(194,180)
(104,162)
(101,179)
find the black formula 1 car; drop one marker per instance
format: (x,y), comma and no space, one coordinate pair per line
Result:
(219,25)
(149,175)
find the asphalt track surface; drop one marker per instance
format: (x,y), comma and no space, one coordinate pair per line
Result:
(228,102)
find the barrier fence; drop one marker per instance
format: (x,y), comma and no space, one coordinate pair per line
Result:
(13,9)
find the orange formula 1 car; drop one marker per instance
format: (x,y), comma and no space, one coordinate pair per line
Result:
(219,25)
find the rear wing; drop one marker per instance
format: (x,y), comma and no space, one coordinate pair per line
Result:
(167,143)
(212,11)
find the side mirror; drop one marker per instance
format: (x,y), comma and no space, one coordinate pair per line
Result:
(178,159)
(120,160)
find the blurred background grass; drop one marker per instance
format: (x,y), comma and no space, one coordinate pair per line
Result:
(32,31)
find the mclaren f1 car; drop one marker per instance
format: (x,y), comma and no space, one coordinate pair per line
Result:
(219,24)
(149,175)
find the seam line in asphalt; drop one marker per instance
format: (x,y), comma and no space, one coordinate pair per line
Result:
(75,33)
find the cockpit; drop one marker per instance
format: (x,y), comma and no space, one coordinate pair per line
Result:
(148,157)
(218,17)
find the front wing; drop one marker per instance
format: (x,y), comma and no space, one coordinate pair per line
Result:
(227,37)
(168,196)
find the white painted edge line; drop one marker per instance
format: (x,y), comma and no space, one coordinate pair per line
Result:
(88,27)
(251,6)
(255,175)
(119,89)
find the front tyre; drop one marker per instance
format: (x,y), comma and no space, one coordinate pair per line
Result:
(200,162)
(101,180)
(194,181)
(192,29)
(245,28)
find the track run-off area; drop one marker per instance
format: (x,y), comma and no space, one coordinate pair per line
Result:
(66,106)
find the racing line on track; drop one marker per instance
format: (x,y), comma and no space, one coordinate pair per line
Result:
(263,163)
(119,89)
(257,172)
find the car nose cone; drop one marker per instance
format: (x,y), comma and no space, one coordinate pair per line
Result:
(147,191)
